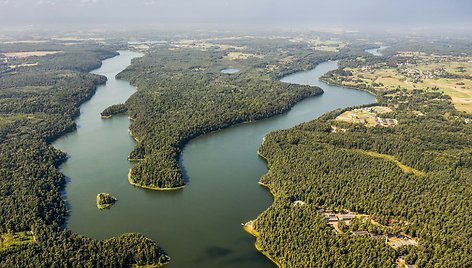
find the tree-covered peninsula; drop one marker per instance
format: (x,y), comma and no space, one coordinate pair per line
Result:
(114,110)
(181,94)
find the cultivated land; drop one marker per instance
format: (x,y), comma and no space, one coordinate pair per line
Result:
(26,54)
(407,70)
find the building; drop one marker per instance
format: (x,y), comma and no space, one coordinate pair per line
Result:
(345,217)
(330,217)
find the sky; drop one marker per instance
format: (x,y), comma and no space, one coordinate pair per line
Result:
(343,13)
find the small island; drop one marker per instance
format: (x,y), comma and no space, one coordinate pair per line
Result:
(105,200)
(113,110)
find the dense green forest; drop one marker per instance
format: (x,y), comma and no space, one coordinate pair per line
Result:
(113,110)
(37,105)
(182,94)
(326,169)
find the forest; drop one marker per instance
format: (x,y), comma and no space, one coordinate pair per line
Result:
(37,105)
(182,94)
(326,169)
(113,110)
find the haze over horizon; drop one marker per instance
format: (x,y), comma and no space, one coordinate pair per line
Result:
(363,14)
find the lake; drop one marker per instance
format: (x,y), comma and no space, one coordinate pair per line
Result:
(199,226)
(230,71)
(376,51)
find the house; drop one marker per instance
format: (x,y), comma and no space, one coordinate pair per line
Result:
(360,233)
(345,217)
(381,237)
(330,217)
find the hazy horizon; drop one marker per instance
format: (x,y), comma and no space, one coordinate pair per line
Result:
(342,14)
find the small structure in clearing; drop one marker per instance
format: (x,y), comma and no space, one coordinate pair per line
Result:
(347,222)
(401,240)
(298,203)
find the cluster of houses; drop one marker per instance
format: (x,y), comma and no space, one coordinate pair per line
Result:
(372,68)
(419,76)
(394,241)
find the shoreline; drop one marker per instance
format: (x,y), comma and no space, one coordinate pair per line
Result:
(132,136)
(329,83)
(182,143)
(130,180)
(249,228)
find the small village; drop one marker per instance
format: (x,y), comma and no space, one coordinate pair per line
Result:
(334,218)
(419,75)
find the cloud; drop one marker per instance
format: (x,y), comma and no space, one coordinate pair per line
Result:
(45,3)
(313,12)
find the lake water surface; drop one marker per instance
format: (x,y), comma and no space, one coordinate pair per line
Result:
(376,51)
(230,71)
(198,226)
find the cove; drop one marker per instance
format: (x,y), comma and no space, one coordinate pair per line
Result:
(198,226)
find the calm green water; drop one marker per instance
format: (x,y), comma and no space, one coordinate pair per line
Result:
(200,225)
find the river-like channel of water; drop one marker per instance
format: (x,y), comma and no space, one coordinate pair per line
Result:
(198,226)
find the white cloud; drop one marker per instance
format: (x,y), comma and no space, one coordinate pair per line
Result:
(45,2)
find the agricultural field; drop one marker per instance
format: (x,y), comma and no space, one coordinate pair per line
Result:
(25,54)
(241,56)
(317,43)
(203,45)
(451,75)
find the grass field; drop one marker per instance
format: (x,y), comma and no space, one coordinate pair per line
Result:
(405,168)
(8,240)
(241,56)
